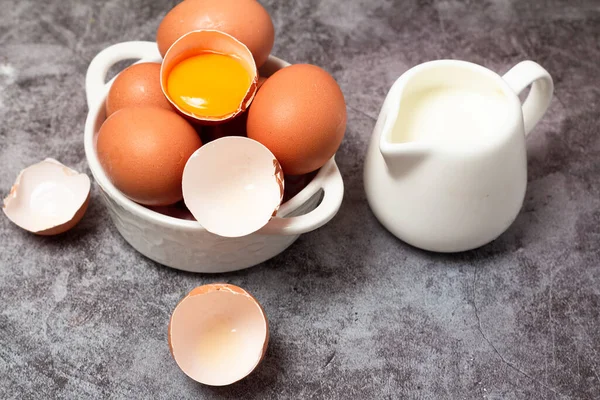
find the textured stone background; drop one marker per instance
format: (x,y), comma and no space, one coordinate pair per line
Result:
(354,312)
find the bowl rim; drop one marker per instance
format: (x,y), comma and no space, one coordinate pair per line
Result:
(95,113)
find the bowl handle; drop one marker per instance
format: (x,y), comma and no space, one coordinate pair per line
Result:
(95,77)
(333,188)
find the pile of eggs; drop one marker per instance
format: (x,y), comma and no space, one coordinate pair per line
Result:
(203,131)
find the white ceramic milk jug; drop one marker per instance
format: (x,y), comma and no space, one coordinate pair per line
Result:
(446,168)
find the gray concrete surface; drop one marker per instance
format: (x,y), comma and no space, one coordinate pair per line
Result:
(354,312)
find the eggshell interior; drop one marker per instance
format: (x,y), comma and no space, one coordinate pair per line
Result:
(219,335)
(202,41)
(233,186)
(47,195)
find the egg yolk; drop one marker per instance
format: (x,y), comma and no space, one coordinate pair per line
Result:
(208,84)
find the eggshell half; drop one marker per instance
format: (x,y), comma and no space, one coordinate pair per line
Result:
(202,41)
(233,186)
(48,198)
(218,334)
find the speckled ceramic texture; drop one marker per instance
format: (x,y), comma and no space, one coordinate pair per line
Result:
(353,312)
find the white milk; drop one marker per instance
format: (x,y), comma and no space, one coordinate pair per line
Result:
(450,115)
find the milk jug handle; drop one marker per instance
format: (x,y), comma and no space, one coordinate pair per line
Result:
(535,105)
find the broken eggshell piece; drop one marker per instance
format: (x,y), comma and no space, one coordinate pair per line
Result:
(209,41)
(218,334)
(48,198)
(233,186)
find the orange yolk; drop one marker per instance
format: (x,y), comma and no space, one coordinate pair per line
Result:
(209,84)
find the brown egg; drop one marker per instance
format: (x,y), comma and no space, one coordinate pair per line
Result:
(299,114)
(143,151)
(246,20)
(137,86)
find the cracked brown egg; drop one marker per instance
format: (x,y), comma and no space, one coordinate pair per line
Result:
(218,334)
(233,186)
(209,76)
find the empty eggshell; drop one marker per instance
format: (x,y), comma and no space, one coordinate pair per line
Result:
(218,334)
(209,41)
(48,198)
(233,186)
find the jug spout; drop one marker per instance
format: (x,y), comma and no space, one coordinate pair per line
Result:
(401,158)
(391,152)
(400,152)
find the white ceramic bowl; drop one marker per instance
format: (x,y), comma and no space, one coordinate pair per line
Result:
(184,244)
